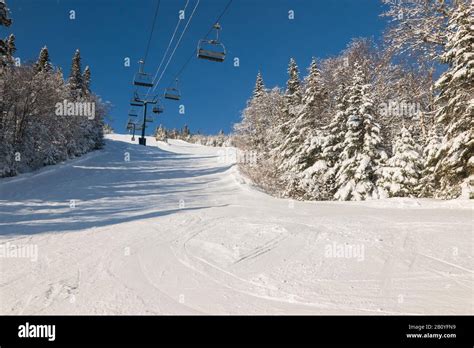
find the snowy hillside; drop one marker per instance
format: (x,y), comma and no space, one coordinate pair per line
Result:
(177,230)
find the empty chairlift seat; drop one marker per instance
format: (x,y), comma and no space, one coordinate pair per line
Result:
(132,113)
(158,109)
(131,125)
(141,78)
(136,101)
(172,93)
(212,50)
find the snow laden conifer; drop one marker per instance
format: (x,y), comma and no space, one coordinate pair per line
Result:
(160,133)
(400,177)
(259,89)
(292,100)
(251,129)
(317,181)
(86,81)
(257,134)
(298,151)
(293,86)
(11,46)
(43,63)
(427,182)
(336,129)
(75,82)
(455,106)
(361,150)
(7,50)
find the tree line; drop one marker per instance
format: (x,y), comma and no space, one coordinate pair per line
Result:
(39,123)
(374,121)
(163,134)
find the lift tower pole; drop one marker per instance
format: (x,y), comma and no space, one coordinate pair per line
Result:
(144,103)
(142,140)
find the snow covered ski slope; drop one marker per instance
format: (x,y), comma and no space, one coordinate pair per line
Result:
(176,230)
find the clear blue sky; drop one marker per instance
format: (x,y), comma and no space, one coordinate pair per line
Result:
(257,31)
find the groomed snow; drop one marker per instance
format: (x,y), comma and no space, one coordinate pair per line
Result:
(176,230)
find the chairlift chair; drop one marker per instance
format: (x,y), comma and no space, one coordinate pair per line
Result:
(158,109)
(173,92)
(130,125)
(136,101)
(141,78)
(132,113)
(212,50)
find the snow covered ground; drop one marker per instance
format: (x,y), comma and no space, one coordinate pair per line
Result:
(176,230)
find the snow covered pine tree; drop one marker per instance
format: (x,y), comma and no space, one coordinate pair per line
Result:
(361,153)
(454,169)
(400,177)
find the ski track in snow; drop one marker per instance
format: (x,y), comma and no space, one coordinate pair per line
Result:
(129,246)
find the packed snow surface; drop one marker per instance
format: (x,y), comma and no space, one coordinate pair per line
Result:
(177,230)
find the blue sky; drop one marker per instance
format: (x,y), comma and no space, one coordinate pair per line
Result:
(258,32)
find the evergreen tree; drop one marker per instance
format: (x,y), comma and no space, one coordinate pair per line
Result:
(314,96)
(220,138)
(3,54)
(11,48)
(293,85)
(259,89)
(455,113)
(291,109)
(75,78)
(336,129)
(427,183)
(400,178)
(43,63)
(297,151)
(292,101)
(361,153)
(4,19)
(7,50)
(86,81)
(186,133)
(255,121)
(318,181)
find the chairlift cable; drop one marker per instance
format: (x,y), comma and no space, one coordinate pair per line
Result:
(151,32)
(150,37)
(177,44)
(169,46)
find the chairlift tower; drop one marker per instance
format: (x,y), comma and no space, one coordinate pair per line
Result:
(144,102)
